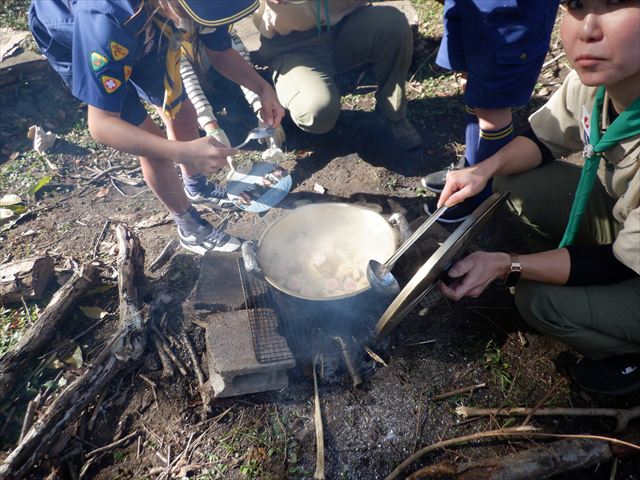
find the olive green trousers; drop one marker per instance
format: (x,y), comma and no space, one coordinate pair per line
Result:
(597,320)
(304,65)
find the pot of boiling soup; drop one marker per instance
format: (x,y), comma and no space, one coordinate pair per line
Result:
(316,257)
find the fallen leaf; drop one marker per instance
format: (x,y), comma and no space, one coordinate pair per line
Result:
(10,199)
(103,192)
(41,183)
(75,360)
(95,313)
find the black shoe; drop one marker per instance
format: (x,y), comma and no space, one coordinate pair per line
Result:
(610,376)
(455,214)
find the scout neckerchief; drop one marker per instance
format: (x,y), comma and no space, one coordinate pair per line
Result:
(179,43)
(626,125)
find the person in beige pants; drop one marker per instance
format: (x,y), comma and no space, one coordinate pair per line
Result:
(305,43)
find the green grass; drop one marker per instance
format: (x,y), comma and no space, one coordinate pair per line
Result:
(13,14)
(498,366)
(13,322)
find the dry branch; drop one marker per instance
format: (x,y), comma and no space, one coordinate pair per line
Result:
(26,278)
(469,389)
(539,462)
(622,416)
(503,432)
(125,347)
(41,333)
(204,391)
(319,473)
(165,255)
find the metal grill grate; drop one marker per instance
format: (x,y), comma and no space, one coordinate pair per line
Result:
(269,344)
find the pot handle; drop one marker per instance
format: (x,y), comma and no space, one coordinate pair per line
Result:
(399,221)
(249,257)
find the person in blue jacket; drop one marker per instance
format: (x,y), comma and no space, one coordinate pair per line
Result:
(114,55)
(499,46)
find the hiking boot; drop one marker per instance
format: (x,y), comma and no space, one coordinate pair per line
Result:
(609,376)
(212,196)
(456,214)
(405,136)
(208,239)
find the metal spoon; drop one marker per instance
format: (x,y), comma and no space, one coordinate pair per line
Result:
(380,276)
(256,134)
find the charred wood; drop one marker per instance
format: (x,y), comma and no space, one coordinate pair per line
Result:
(125,347)
(41,333)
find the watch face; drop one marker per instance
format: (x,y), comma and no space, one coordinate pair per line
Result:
(431,270)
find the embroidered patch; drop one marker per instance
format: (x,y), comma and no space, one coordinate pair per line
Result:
(127,72)
(110,84)
(118,52)
(98,61)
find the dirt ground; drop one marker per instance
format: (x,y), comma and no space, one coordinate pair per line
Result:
(368,431)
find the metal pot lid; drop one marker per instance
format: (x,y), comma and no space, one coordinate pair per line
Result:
(429,273)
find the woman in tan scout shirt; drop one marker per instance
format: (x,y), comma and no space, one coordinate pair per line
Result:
(586,294)
(306,42)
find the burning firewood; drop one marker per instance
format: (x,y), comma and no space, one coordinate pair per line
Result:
(348,361)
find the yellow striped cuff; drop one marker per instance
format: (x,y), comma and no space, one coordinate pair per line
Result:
(497,135)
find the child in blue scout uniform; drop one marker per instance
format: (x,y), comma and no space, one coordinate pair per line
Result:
(586,293)
(500,46)
(113,54)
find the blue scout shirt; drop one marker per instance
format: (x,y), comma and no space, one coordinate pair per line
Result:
(101,50)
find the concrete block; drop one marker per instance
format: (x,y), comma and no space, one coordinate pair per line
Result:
(219,288)
(233,366)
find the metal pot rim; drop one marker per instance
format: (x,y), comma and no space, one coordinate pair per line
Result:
(274,224)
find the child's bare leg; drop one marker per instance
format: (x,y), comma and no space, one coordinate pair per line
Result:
(493,119)
(184,127)
(162,177)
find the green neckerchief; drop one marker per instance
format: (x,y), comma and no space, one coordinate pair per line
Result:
(626,125)
(326,16)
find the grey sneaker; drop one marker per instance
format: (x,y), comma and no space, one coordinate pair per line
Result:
(212,196)
(435,181)
(405,136)
(208,239)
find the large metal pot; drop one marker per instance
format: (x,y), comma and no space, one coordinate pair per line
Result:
(320,251)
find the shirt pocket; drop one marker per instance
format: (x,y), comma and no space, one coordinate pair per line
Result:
(521,51)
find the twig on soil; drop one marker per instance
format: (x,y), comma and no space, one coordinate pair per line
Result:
(348,361)
(622,416)
(167,366)
(451,393)
(319,473)
(204,391)
(111,445)
(542,401)
(121,192)
(170,353)
(419,343)
(96,410)
(522,339)
(375,357)
(153,387)
(96,247)
(165,255)
(29,416)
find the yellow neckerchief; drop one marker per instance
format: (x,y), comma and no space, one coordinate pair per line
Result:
(179,42)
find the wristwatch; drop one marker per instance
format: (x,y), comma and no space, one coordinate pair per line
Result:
(515,270)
